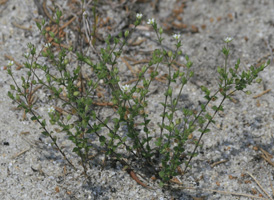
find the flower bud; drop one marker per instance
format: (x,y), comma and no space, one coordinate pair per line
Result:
(126,33)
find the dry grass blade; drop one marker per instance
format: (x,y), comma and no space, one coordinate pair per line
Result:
(141,61)
(259,185)
(271,187)
(20,153)
(239,194)
(217,163)
(21,27)
(68,23)
(135,62)
(35,89)
(264,92)
(62,45)
(131,81)
(179,64)
(267,156)
(226,192)
(46,10)
(62,111)
(129,66)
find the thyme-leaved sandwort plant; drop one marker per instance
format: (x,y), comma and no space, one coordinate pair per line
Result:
(83,122)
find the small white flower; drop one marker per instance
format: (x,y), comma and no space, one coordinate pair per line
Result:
(139,15)
(228,39)
(10,63)
(51,109)
(151,21)
(176,36)
(125,88)
(47,45)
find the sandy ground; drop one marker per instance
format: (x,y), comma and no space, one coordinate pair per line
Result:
(31,169)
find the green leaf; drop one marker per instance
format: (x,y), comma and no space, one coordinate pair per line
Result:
(51,34)
(204,131)
(34,118)
(54,139)
(191,73)
(162,174)
(9,72)
(38,25)
(10,95)
(43,123)
(219,70)
(215,108)
(158,142)
(208,116)
(203,107)
(77,151)
(116,40)
(45,133)
(169,91)
(111,135)
(72,138)
(58,13)
(189,65)
(146,129)
(44,32)
(88,61)
(184,80)
(102,139)
(44,54)
(161,184)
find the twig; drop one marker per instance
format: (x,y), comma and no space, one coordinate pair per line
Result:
(24,133)
(62,111)
(129,66)
(264,92)
(68,23)
(137,43)
(237,194)
(134,177)
(46,10)
(132,81)
(225,192)
(217,163)
(35,89)
(271,187)
(20,26)
(141,61)
(20,153)
(260,60)
(57,45)
(180,64)
(267,156)
(259,185)
(135,62)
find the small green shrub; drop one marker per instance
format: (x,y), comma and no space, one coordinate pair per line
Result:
(84,120)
